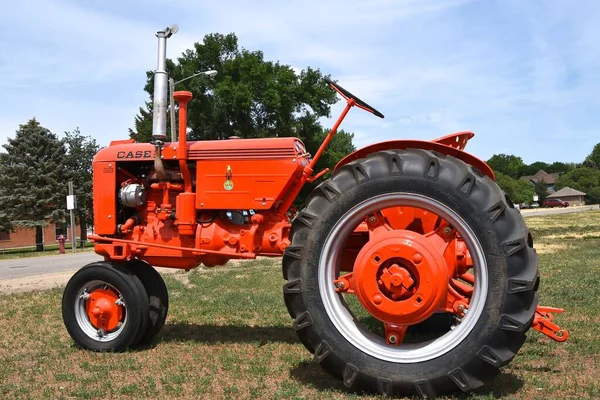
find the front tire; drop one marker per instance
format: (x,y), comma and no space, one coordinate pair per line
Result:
(506,271)
(105,307)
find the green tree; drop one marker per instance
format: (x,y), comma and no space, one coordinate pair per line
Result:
(541,189)
(518,191)
(5,224)
(561,167)
(250,98)
(582,179)
(510,165)
(533,168)
(33,178)
(593,195)
(594,156)
(589,163)
(80,153)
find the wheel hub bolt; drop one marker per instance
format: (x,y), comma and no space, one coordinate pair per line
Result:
(417,258)
(393,339)
(372,219)
(340,285)
(377,299)
(447,230)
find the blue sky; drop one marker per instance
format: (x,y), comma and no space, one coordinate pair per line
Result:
(523,75)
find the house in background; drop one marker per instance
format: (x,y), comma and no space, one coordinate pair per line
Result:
(24,237)
(571,196)
(543,176)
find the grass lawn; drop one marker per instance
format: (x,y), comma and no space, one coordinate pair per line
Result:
(228,336)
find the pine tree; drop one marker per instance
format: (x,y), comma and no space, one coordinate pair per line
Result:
(33,177)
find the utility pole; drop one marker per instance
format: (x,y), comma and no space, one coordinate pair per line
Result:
(71,205)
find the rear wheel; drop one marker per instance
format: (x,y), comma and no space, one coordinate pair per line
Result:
(400,243)
(105,307)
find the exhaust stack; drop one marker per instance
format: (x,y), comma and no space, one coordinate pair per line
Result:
(159,114)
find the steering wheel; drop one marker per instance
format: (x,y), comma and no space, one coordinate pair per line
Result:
(347,95)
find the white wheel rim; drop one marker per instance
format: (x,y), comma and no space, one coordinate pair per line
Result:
(367,341)
(81,315)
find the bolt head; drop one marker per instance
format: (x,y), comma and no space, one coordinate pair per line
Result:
(372,219)
(393,339)
(377,299)
(447,230)
(340,285)
(417,258)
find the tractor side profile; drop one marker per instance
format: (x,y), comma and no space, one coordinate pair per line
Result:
(408,271)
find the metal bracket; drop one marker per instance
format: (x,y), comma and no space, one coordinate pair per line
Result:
(542,322)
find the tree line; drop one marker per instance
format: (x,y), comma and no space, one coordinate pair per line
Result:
(34,171)
(583,176)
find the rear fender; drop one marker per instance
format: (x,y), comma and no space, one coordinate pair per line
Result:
(451,145)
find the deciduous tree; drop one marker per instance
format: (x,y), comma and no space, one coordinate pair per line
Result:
(80,153)
(582,179)
(518,191)
(507,164)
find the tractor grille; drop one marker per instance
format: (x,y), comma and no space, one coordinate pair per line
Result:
(241,154)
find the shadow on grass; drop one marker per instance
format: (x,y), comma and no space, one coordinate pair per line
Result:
(227,334)
(312,375)
(306,373)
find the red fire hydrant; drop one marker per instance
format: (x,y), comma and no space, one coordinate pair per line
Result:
(61,244)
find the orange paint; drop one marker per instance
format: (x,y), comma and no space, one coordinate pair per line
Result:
(102,310)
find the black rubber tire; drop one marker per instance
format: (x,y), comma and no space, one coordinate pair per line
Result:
(158,297)
(132,290)
(511,263)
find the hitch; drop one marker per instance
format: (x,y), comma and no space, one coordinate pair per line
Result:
(542,322)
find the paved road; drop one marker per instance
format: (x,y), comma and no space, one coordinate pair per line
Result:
(20,267)
(548,211)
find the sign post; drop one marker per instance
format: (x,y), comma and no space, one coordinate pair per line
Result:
(71,205)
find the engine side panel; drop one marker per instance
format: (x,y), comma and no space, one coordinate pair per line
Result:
(105,197)
(243,184)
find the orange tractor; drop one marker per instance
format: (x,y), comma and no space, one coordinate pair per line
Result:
(407,271)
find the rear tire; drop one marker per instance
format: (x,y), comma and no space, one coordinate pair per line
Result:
(119,279)
(158,297)
(508,260)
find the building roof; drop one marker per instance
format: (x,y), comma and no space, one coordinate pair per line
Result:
(540,176)
(566,192)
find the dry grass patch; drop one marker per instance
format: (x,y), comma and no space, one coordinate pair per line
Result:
(549,248)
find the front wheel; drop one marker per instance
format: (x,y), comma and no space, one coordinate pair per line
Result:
(105,307)
(410,273)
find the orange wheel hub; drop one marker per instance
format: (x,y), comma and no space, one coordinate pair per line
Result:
(103,310)
(400,277)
